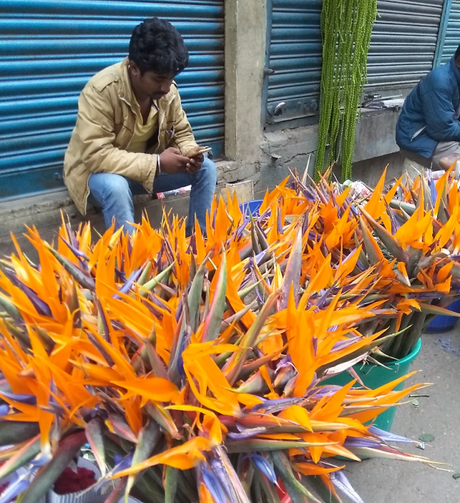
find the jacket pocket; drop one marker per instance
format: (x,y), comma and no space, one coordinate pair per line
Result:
(166,136)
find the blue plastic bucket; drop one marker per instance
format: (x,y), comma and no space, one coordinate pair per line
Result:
(442,323)
(374,376)
(251,207)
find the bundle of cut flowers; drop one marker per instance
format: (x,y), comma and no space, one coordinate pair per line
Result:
(195,367)
(409,235)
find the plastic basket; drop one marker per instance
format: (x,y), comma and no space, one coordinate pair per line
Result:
(442,323)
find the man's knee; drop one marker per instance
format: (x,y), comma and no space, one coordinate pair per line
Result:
(118,187)
(448,161)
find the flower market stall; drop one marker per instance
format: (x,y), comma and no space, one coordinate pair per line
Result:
(198,369)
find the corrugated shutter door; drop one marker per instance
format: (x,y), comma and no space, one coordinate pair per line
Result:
(452,35)
(50,48)
(294,53)
(403,43)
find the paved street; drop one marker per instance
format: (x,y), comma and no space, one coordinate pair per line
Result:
(383,481)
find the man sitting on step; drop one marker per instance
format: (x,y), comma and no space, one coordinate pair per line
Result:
(428,125)
(132,135)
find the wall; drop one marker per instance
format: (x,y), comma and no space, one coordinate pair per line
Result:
(250,152)
(265,157)
(375,147)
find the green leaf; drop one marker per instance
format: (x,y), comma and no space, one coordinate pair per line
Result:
(293,271)
(255,242)
(401,205)
(23,456)
(149,490)
(145,273)
(14,432)
(250,337)
(163,418)
(267,488)
(295,489)
(95,438)
(438,310)
(216,311)
(171,477)
(148,439)
(48,474)
(317,484)
(195,293)
(155,361)
(85,280)
(10,308)
(150,285)
(263,445)
(182,334)
(117,492)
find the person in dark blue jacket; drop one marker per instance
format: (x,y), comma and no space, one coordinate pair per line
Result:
(429,122)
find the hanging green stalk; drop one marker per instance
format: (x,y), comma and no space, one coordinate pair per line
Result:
(346,27)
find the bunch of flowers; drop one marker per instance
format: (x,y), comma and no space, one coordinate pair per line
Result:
(194,367)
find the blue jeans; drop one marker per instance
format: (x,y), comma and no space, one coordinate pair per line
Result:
(114,194)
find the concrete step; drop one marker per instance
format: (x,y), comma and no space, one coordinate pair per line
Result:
(45,213)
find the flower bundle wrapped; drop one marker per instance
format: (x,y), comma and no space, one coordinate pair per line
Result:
(194,366)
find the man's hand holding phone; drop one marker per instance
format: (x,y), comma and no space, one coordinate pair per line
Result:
(196,158)
(172,161)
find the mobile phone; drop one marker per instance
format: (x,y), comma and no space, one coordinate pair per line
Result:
(202,151)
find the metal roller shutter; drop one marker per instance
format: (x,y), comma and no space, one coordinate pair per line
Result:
(402,51)
(294,55)
(49,49)
(403,43)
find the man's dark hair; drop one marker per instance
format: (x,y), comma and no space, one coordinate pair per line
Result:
(457,52)
(157,46)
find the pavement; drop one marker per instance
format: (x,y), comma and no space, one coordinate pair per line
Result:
(438,414)
(376,480)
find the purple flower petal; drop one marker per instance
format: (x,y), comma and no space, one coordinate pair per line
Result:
(246,433)
(341,482)
(352,442)
(387,436)
(29,399)
(213,485)
(265,467)
(130,281)
(4,409)
(15,487)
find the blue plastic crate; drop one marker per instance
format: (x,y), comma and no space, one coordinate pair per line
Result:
(251,207)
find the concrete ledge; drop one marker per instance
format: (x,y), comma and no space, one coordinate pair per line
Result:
(44,210)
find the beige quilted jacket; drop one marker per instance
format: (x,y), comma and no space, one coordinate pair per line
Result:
(105,126)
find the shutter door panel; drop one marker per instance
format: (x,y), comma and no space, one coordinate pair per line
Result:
(452,35)
(402,51)
(403,43)
(294,53)
(50,49)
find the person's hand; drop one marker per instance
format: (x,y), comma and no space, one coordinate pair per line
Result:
(172,161)
(195,160)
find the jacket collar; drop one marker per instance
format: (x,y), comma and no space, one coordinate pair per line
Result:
(455,70)
(126,92)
